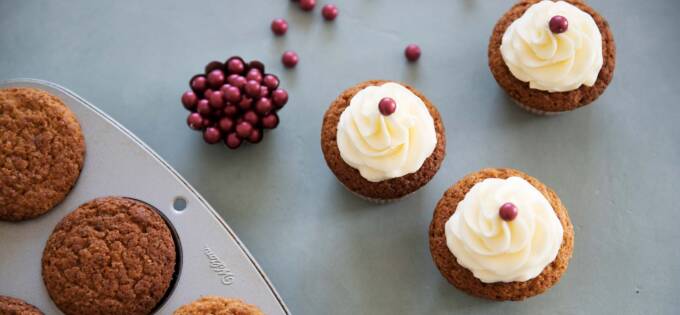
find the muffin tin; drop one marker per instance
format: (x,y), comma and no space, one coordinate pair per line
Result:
(212,259)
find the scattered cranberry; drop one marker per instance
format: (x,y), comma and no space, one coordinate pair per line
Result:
(270,81)
(235,66)
(508,211)
(280,97)
(195,121)
(558,24)
(387,106)
(279,26)
(232,141)
(329,12)
(216,78)
(189,100)
(307,5)
(290,58)
(255,136)
(270,121)
(412,52)
(212,135)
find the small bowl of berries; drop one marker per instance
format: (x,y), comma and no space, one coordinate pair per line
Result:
(234,102)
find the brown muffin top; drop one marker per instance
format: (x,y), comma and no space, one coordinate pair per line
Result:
(42,150)
(215,305)
(14,306)
(461,277)
(350,177)
(112,255)
(543,100)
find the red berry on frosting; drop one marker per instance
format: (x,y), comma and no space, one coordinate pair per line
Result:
(387,106)
(279,26)
(307,5)
(290,59)
(329,12)
(558,24)
(508,211)
(412,52)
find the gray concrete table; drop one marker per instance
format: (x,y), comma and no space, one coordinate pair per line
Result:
(615,164)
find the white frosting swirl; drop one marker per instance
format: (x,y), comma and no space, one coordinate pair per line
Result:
(384,147)
(504,251)
(553,62)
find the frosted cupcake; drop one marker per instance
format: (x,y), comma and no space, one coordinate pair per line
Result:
(383,140)
(552,57)
(501,234)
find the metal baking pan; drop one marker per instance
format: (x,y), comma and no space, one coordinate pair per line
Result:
(213,259)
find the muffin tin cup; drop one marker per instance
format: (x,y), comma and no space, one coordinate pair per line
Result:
(212,260)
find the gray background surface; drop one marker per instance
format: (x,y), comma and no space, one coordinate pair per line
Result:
(615,164)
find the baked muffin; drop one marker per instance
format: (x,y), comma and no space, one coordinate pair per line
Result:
(383,140)
(14,306)
(501,234)
(215,305)
(552,57)
(112,255)
(42,151)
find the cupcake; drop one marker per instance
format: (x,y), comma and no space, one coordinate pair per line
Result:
(383,140)
(14,306)
(218,306)
(501,234)
(552,57)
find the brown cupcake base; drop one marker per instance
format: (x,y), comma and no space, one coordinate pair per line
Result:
(12,306)
(461,277)
(543,101)
(387,190)
(218,305)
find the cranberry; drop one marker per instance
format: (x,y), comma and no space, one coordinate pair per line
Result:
(279,26)
(387,106)
(508,211)
(270,81)
(255,136)
(207,93)
(235,66)
(280,98)
(412,52)
(216,78)
(195,121)
(270,121)
(212,135)
(203,107)
(245,103)
(264,91)
(252,88)
(232,141)
(243,129)
(251,117)
(230,110)
(329,12)
(236,80)
(307,5)
(264,105)
(226,124)
(207,122)
(216,99)
(199,83)
(558,24)
(232,94)
(290,59)
(254,74)
(189,100)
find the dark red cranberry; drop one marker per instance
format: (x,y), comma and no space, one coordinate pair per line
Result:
(290,59)
(246,103)
(226,124)
(212,135)
(232,141)
(232,94)
(558,24)
(270,121)
(216,78)
(216,99)
(189,100)
(199,83)
(264,105)
(329,12)
(264,91)
(412,52)
(230,110)
(208,122)
(251,117)
(252,88)
(255,136)
(387,106)
(236,80)
(279,26)
(307,5)
(254,74)
(270,81)
(203,107)
(508,211)
(235,66)
(195,121)
(279,97)
(207,93)
(243,129)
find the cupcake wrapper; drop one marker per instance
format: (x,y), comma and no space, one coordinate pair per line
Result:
(533,110)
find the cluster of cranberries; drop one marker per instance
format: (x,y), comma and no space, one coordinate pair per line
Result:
(234,102)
